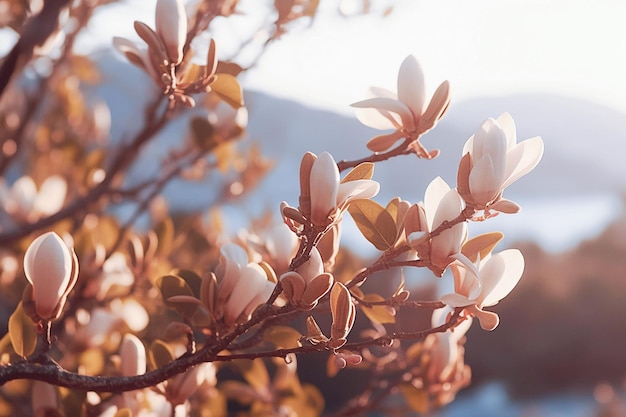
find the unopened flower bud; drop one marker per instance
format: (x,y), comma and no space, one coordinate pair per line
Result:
(171,26)
(51,269)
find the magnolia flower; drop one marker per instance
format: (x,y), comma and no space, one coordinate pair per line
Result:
(323,198)
(307,284)
(241,285)
(446,352)
(484,283)
(492,160)
(51,269)
(405,112)
(24,202)
(44,399)
(441,203)
(179,388)
(164,58)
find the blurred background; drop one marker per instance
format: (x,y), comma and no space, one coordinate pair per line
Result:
(557,66)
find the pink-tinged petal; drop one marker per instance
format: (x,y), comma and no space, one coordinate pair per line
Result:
(488,320)
(433,195)
(505,206)
(354,190)
(133,356)
(171,26)
(324,182)
(506,122)
(437,107)
(456,300)
(484,184)
(390,105)
(383,142)
(233,258)
(466,281)
(51,195)
(250,281)
(313,267)
(491,140)
(382,92)
(443,357)
(411,86)
(469,146)
(500,275)
(450,240)
(48,267)
(522,159)
(378,119)
(262,295)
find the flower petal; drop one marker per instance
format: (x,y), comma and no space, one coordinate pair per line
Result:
(522,159)
(390,105)
(324,181)
(500,275)
(411,86)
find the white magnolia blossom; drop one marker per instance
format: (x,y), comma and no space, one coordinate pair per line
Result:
(25,202)
(51,269)
(493,160)
(484,283)
(308,283)
(171,27)
(242,285)
(405,112)
(441,203)
(445,351)
(323,197)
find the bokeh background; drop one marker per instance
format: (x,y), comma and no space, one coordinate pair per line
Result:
(557,66)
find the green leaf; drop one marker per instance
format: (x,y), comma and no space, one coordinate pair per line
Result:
(282,337)
(374,222)
(172,285)
(159,354)
(22,332)
(227,87)
(363,171)
(377,314)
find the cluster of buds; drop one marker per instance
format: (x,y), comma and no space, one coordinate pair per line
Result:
(493,160)
(167,57)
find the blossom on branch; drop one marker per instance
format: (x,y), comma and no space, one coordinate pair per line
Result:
(405,112)
(27,204)
(493,160)
(51,269)
(441,204)
(241,285)
(484,283)
(323,197)
(308,283)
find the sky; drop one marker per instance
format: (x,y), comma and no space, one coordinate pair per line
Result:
(483,47)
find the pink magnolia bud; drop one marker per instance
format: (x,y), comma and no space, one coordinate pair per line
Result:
(133,355)
(171,26)
(51,269)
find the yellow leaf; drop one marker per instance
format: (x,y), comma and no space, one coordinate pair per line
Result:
(22,332)
(282,337)
(124,412)
(417,399)
(254,372)
(203,133)
(363,171)
(229,90)
(171,286)
(482,244)
(377,314)
(159,354)
(374,222)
